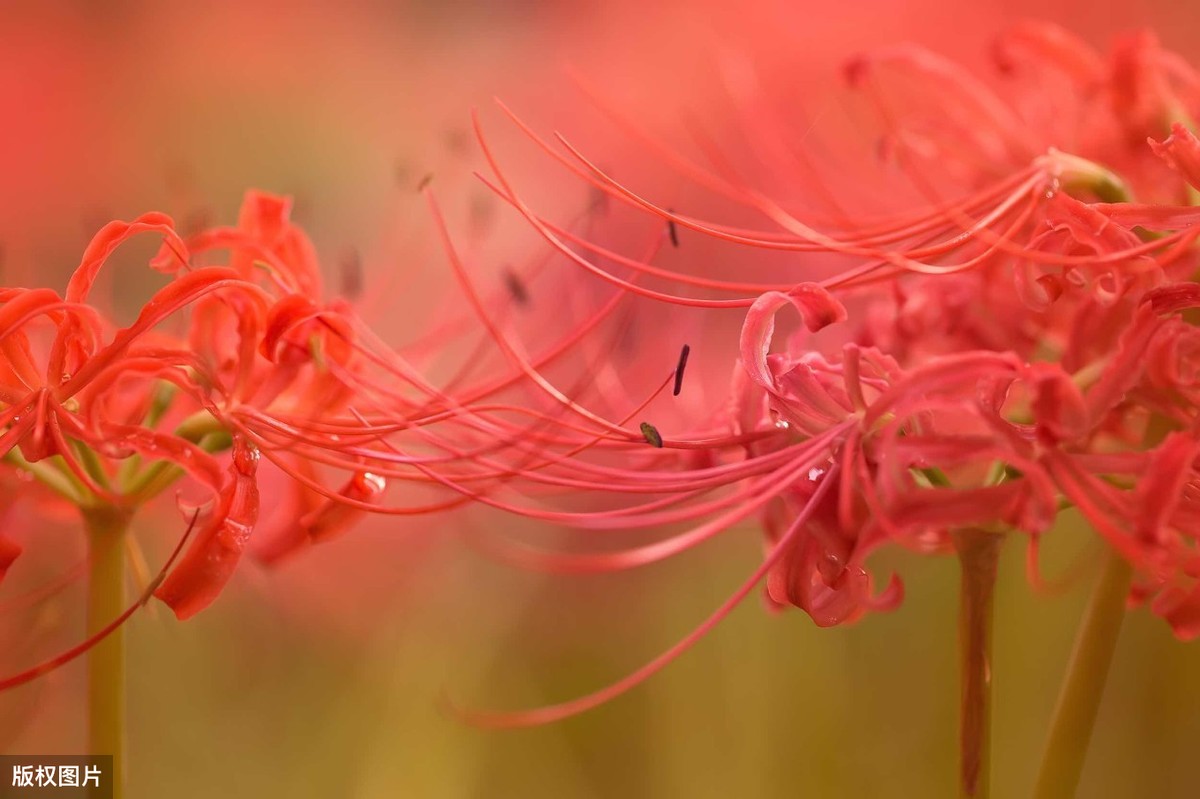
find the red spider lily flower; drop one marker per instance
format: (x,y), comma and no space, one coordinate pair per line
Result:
(1019,342)
(240,357)
(111,417)
(85,415)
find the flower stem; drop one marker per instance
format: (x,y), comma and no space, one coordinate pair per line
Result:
(978,552)
(1079,699)
(106,529)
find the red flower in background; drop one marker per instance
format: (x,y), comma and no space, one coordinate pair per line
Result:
(1018,342)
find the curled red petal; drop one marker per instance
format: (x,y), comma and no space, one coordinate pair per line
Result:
(1173,298)
(817,308)
(890,597)
(1181,151)
(828,599)
(291,324)
(212,558)
(265,218)
(1088,225)
(1160,487)
(333,517)
(286,315)
(180,293)
(108,239)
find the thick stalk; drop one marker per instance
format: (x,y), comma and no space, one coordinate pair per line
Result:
(978,552)
(1079,699)
(106,529)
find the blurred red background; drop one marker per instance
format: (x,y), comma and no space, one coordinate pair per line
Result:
(320,678)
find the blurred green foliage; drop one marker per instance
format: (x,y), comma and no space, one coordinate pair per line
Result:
(243,704)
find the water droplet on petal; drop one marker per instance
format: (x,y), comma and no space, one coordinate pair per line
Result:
(376,482)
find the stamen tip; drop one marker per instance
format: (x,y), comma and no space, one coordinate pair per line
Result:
(651,434)
(680,367)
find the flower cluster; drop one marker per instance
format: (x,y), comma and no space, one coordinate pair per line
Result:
(108,418)
(1013,337)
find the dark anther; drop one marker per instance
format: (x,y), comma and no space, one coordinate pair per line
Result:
(516,287)
(679,367)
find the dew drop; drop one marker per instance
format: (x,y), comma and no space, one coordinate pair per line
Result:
(376,482)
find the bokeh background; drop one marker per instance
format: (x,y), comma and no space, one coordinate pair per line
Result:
(321,679)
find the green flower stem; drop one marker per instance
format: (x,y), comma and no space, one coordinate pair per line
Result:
(1079,699)
(91,464)
(201,429)
(106,528)
(978,553)
(49,472)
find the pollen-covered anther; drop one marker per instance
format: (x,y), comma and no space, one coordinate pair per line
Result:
(651,434)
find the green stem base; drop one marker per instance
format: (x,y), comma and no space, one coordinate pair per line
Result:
(978,553)
(1079,699)
(106,528)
